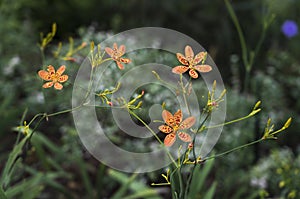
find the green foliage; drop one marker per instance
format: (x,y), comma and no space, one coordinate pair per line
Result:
(278,174)
(137,187)
(197,187)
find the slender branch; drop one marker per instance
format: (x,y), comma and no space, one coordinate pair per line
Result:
(154,134)
(184,94)
(230,122)
(232,150)
(240,33)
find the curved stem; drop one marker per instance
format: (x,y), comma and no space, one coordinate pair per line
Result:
(184,95)
(240,32)
(230,122)
(232,150)
(154,134)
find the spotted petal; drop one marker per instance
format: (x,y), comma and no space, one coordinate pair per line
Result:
(170,139)
(168,117)
(199,57)
(120,65)
(184,137)
(193,74)
(61,70)
(182,59)
(44,75)
(165,129)
(125,60)
(58,86)
(121,50)
(188,122)
(203,68)
(180,69)
(178,117)
(115,46)
(51,69)
(189,53)
(48,85)
(63,78)
(109,51)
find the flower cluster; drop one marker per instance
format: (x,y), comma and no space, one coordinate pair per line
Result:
(56,78)
(174,125)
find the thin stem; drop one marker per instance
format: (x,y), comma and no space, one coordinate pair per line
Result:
(36,116)
(230,122)
(42,55)
(192,173)
(154,134)
(180,183)
(36,126)
(163,82)
(160,184)
(184,95)
(232,150)
(246,81)
(21,124)
(240,32)
(195,158)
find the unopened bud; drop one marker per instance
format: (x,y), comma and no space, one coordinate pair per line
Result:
(257,105)
(191,145)
(92,46)
(288,123)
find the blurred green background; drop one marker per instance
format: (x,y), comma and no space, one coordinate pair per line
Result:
(57,165)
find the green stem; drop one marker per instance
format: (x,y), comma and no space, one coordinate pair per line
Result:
(45,115)
(194,156)
(2,193)
(42,55)
(184,94)
(234,149)
(160,184)
(239,30)
(246,80)
(163,82)
(230,122)
(181,187)
(154,134)
(21,124)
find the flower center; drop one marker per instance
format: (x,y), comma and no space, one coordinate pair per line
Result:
(54,77)
(175,128)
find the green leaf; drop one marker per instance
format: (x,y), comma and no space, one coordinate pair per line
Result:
(126,182)
(17,150)
(175,182)
(130,183)
(199,178)
(2,193)
(25,186)
(148,193)
(211,192)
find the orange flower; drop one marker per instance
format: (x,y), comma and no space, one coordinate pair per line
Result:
(116,54)
(174,124)
(55,78)
(190,63)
